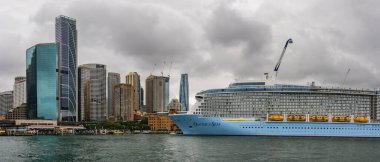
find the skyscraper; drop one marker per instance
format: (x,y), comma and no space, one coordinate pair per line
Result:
(157,93)
(66,38)
(113,79)
(6,102)
(134,79)
(123,102)
(84,91)
(184,92)
(42,81)
(92,92)
(141,99)
(166,92)
(19,91)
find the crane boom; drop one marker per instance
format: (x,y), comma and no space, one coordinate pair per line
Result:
(345,77)
(277,67)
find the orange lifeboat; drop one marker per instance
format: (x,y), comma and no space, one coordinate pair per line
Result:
(319,118)
(341,119)
(276,117)
(361,119)
(296,118)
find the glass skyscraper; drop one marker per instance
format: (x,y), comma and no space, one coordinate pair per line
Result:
(66,39)
(92,92)
(184,92)
(42,81)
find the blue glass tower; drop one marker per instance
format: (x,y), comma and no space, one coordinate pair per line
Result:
(66,38)
(184,92)
(42,81)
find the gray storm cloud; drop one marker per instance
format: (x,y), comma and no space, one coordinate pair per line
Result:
(214,41)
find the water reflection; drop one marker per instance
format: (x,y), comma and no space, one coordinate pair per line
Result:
(185,148)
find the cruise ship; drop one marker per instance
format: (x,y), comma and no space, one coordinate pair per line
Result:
(263,108)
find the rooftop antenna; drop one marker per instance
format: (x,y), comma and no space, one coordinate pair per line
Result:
(277,67)
(345,77)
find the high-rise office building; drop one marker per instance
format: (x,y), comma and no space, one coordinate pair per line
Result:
(92,92)
(84,91)
(157,93)
(6,102)
(166,92)
(19,91)
(134,79)
(184,92)
(42,81)
(66,38)
(113,80)
(123,102)
(141,99)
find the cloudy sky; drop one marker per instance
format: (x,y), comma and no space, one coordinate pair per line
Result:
(214,41)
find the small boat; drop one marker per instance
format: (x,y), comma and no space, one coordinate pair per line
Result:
(341,119)
(118,132)
(103,131)
(2,132)
(276,117)
(361,119)
(296,118)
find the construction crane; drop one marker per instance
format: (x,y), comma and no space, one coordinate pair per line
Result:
(170,68)
(345,77)
(277,67)
(163,68)
(154,68)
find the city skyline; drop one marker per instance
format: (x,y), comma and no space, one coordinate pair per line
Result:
(321,53)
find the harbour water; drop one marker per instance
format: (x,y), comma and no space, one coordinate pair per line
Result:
(147,147)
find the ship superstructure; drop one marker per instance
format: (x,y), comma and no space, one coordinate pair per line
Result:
(258,100)
(264,108)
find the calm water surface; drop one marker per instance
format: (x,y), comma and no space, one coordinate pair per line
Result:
(186,148)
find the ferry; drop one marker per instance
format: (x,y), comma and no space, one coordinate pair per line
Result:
(263,108)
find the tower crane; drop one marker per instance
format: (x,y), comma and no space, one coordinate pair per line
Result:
(170,68)
(154,68)
(163,68)
(277,67)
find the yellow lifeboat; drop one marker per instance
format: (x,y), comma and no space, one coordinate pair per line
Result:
(361,119)
(341,119)
(319,118)
(276,117)
(296,118)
